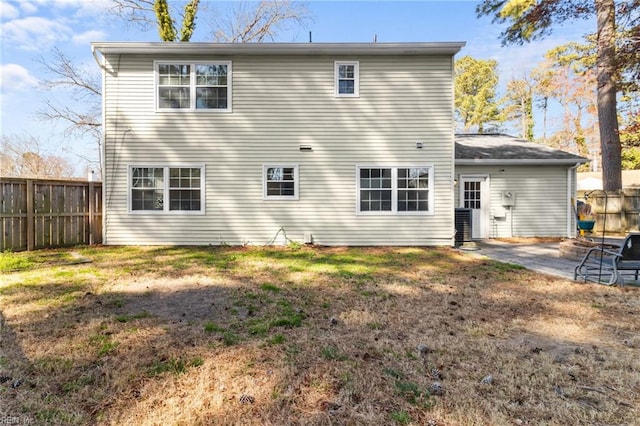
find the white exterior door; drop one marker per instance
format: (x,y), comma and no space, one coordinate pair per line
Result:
(474,195)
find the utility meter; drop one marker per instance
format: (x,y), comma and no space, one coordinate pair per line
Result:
(508,199)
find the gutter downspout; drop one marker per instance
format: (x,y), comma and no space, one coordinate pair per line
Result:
(103,137)
(571,226)
(454,170)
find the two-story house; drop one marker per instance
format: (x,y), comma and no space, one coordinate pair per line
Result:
(335,144)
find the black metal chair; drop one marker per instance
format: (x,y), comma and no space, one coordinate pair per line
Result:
(600,262)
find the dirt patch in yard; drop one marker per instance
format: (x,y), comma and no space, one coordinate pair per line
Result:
(175,300)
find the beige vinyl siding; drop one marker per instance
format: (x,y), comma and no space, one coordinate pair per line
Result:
(541,199)
(280,103)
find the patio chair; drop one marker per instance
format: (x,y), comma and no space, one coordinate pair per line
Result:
(600,263)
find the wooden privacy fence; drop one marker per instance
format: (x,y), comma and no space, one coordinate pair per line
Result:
(617,213)
(40,213)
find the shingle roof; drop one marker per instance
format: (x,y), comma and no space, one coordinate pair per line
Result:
(505,149)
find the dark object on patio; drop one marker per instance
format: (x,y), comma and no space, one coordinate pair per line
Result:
(601,263)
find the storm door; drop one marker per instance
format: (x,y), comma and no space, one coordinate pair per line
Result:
(474,195)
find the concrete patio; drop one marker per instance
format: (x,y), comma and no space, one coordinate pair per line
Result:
(539,257)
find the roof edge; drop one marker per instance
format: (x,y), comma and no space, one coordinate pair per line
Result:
(193,48)
(520,162)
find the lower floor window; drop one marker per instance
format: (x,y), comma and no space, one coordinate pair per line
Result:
(413,189)
(402,190)
(167,189)
(280,182)
(147,188)
(375,189)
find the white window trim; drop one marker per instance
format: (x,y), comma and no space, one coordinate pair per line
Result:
(356,78)
(192,86)
(165,205)
(394,190)
(296,183)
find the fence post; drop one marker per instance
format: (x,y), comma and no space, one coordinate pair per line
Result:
(31,225)
(91,195)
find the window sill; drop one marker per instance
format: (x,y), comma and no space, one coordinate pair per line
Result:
(198,111)
(167,213)
(386,214)
(280,198)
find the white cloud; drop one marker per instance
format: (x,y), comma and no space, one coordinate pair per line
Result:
(28,7)
(34,33)
(92,8)
(14,77)
(8,11)
(88,36)
(61,3)
(82,8)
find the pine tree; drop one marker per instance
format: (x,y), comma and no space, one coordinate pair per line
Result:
(476,81)
(534,19)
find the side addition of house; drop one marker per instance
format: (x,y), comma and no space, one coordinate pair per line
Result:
(516,188)
(336,144)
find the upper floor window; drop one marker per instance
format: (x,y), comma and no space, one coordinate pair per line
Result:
(193,86)
(347,75)
(166,189)
(280,182)
(395,190)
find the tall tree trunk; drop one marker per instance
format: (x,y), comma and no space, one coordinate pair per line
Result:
(607,116)
(528,113)
(189,20)
(523,119)
(544,118)
(165,23)
(581,141)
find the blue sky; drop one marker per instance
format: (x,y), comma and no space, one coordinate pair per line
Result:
(32,28)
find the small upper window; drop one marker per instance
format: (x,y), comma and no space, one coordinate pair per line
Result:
(347,75)
(280,182)
(194,86)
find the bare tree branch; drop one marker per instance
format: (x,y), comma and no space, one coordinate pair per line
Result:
(68,75)
(143,14)
(84,86)
(256,22)
(23,156)
(137,12)
(248,21)
(81,123)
